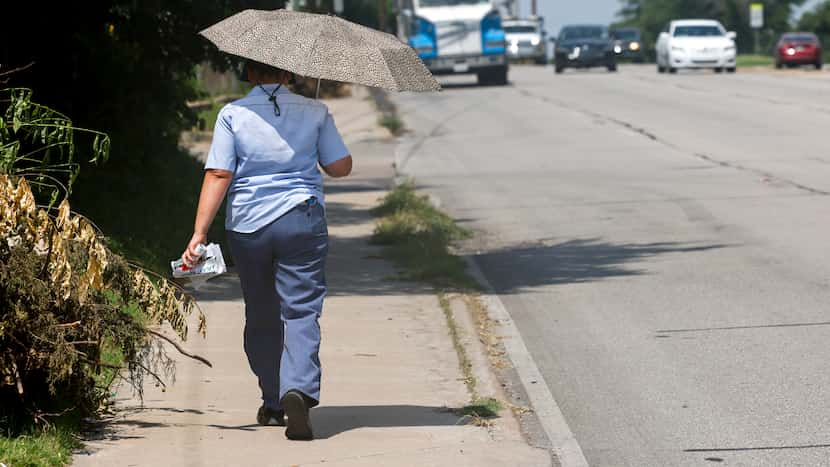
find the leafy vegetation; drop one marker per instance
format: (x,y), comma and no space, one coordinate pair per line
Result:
(818,21)
(125,68)
(419,237)
(392,123)
(74,316)
(46,447)
(486,407)
(38,142)
(66,299)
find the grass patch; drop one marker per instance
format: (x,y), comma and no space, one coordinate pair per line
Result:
(391,123)
(418,237)
(754,60)
(464,363)
(40,447)
(485,407)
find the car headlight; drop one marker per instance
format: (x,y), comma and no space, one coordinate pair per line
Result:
(617,49)
(675,48)
(729,48)
(634,46)
(535,41)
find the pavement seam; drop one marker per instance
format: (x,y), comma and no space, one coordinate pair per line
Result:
(653,137)
(544,405)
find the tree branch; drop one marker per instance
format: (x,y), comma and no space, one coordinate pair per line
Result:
(17,379)
(15,70)
(180,349)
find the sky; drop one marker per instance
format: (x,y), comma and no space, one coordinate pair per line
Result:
(560,12)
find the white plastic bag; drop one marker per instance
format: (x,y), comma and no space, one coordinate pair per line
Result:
(211,263)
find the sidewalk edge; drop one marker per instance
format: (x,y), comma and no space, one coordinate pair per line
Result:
(544,405)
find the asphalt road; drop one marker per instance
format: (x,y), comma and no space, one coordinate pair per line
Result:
(661,242)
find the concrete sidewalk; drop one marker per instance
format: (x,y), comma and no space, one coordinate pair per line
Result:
(390,372)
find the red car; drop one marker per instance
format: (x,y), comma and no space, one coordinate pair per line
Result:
(798,48)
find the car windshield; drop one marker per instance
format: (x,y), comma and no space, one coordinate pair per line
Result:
(626,34)
(520,29)
(432,3)
(697,31)
(583,32)
(799,38)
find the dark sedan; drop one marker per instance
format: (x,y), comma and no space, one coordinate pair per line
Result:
(628,44)
(585,46)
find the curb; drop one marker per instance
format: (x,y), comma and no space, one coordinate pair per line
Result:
(562,440)
(550,417)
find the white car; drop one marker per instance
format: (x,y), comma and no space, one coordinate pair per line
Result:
(525,39)
(695,44)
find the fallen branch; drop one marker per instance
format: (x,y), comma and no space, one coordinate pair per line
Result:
(69,325)
(180,349)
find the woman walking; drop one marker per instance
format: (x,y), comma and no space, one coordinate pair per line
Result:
(265,155)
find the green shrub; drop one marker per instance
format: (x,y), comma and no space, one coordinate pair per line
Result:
(419,237)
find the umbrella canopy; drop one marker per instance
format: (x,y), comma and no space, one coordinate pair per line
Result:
(324,47)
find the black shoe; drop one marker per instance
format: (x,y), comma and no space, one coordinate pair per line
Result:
(266,416)
(298,427)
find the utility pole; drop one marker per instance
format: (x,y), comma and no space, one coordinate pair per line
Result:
(533,8)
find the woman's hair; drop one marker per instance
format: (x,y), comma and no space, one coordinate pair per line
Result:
(263,69)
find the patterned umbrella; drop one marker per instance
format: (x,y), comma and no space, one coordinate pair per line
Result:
(324,47)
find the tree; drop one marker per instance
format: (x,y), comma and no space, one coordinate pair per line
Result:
(123,66)
(126,68)
(818,21)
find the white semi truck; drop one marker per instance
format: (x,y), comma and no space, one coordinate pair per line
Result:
(456,37)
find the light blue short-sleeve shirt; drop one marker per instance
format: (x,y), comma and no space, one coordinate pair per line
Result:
(273,158)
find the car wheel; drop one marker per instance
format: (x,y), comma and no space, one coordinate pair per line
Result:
(779,65)
(661,69)
(731,69)
(558,68)
(718,70)
(672,70)
(818,65)
(612,67)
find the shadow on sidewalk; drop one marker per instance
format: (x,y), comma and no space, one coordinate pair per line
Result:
(330,421)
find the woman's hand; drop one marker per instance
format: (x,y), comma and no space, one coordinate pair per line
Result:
(214,188)
(190,257)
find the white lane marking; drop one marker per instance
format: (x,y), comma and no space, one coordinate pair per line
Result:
(547,410)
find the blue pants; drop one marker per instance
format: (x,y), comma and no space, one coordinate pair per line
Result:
(281,268)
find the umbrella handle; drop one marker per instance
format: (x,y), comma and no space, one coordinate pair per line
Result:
(317,95)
